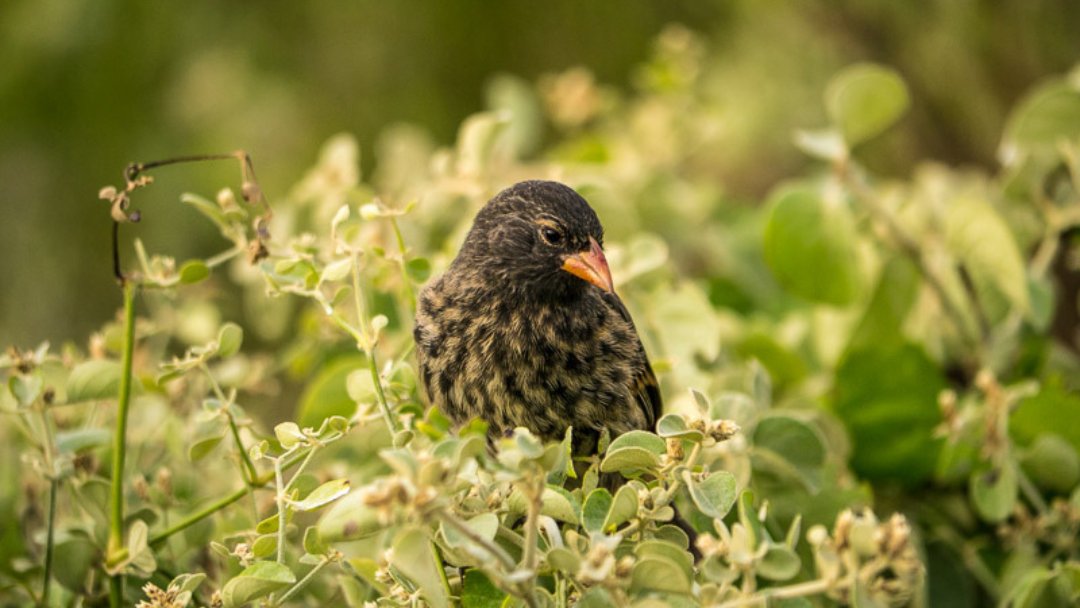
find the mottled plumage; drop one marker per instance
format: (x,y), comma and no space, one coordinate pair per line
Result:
(524,330)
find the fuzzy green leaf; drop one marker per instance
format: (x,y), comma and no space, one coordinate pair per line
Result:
(414,555)
(257,580)
(715,494)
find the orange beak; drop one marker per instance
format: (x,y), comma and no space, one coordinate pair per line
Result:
(591,266)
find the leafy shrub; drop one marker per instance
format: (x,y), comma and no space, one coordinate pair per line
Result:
(854,342)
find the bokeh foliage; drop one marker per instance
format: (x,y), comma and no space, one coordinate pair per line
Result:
(905,344)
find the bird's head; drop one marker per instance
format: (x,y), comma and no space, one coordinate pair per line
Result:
(538,237)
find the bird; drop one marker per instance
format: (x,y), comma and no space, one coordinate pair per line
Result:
(524,328)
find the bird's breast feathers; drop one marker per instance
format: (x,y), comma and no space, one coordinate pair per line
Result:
(526,363)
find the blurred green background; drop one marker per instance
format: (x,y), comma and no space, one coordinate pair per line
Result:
(86,87)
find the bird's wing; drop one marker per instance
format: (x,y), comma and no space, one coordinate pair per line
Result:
(644,386)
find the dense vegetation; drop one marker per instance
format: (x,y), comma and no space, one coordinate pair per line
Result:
(871,382)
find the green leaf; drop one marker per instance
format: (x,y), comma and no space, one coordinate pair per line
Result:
(264,546)
(561,558)
(674,425)
(826,144)
(326,395)
(595,510)
(810,246)
(748,518)
(201,447)
(640,439)
(980,238)
(336,270)
(624,506)
(780,563)
(596,597)
(193,271)
(865,99)
(93,380)
(635,450)
(209,209)
(656,573)
(289,434)
(271,522)
(188,582)
(323,495)
(993,492)
(1048,114)
(414,556)
(313,543)
(476,141)
(418,269)
(893,298)
(478,590)
(257,580)
(560,504)
(799,444)
(349,519)
(485,525)
(26,388)
(1052,463)
(887,396)
(75,555)
(1052,410)
(229,339)
(715,494)
(673,553)
(73,442)
(629,459)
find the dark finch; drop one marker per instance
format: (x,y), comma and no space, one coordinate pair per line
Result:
(524,328)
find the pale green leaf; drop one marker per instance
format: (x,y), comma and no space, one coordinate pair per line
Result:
(323,495)
(256,581)
(810,247)
(865,99)
(715,494)
(414,556)
(93,380)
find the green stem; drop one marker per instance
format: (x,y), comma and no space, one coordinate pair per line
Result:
(532,524)
(220,504)
(225,403)
(1027,487)
(53,488)
(669,493)
(535,492)
(47,449)
(300,583)
(116,493)
(494,550)
(404,272)
(249,466)
(368,345)
(789,591)
(280,486)
(909,246)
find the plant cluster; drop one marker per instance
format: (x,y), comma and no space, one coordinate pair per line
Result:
(856,345)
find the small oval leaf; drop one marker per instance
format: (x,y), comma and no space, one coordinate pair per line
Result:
(865,99)
(193,271)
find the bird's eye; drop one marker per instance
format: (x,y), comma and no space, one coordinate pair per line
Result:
(551,236)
